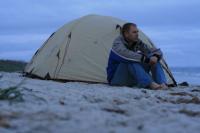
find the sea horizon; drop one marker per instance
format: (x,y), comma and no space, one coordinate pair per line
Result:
(190,74)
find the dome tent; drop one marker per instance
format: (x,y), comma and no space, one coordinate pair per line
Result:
(79,51)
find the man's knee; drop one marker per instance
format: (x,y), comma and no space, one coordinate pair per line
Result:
(135,67)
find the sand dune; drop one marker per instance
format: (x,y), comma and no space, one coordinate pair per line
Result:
(38,106)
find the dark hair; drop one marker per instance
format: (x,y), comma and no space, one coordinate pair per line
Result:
(126,27)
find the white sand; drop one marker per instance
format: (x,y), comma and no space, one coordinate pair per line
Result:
(73,107)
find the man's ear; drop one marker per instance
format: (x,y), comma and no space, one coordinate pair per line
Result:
(126,34)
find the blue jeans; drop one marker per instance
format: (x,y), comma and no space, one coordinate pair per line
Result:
(137,74)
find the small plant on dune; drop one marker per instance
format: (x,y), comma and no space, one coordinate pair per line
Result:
(11,94)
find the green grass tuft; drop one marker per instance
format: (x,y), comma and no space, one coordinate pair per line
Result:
(11,94)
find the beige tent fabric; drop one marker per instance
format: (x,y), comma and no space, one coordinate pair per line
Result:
(79,50)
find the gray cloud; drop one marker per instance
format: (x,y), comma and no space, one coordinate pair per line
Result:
(45,14)
(22,55)
(172,25)
(21,42)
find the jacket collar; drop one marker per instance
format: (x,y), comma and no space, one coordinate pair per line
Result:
(123,40)
(126,43)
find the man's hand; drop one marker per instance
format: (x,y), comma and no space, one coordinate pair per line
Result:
(153,60)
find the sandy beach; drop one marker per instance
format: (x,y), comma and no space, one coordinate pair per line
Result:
(39,106)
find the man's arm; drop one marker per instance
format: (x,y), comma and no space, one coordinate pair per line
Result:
(120,49)
(153,55)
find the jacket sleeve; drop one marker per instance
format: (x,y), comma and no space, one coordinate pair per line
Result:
(156,52)
(144,48)
(148,52)
(120,49)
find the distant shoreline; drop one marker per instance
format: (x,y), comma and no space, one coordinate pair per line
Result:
(12,65)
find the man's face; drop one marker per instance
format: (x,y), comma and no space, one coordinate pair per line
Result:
(132,34)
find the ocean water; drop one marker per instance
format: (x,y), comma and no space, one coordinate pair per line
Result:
(188,74)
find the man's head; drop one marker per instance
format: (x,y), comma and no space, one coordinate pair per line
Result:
(130,32)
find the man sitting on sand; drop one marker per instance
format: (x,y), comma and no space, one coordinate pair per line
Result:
(131,60)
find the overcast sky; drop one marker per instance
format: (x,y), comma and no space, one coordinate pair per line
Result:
(173,25)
